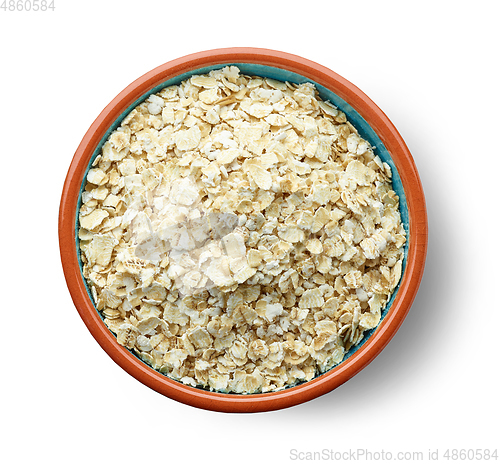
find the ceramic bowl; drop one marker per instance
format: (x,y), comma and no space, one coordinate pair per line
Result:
(372,124)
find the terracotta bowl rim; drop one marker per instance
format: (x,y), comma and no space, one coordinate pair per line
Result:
(417,248)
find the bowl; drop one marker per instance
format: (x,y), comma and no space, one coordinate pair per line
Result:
(372,124)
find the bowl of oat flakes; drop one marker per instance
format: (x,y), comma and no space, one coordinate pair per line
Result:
(242,230)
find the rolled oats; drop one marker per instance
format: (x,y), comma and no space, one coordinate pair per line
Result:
(238,234)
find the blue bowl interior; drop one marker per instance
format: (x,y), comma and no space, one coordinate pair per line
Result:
(364,129)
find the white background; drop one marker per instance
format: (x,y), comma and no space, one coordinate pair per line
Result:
(431,66)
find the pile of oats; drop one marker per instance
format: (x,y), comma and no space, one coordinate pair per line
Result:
(238,234)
